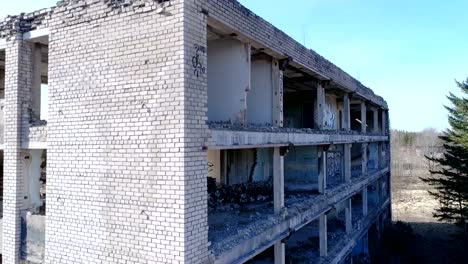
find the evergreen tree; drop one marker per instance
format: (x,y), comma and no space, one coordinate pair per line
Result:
(450,175)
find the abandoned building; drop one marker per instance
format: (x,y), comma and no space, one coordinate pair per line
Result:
(183,131)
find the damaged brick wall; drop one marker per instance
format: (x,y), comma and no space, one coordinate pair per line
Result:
(25,22)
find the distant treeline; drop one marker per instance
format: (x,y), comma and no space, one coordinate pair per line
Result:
(428,138)
(409,151)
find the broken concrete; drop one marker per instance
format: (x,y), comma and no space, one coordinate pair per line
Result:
(260,234)
(347,244)
(230,139)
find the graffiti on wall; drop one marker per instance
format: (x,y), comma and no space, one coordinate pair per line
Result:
(330,114)
(198,63)
(211,167)
(334,164)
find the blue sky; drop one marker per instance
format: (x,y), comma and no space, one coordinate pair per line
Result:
(409,52)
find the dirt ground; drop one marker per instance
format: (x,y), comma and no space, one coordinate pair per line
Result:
(433,242)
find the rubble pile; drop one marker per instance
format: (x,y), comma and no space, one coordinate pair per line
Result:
(238,196)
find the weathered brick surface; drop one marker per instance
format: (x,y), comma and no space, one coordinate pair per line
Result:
(126,171)
(196,131)
(25,22)
(17,82)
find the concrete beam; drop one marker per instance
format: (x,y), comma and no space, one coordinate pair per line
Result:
(346,113)
(379,190)
(364,158)
(245,249)
(348,216)
(380,155)
(375,116)
(320,106)
(347,162)
(280,253)
(278,180)
(244,118)
(277,81)
(323,235)
(384,122)
(322,181)
(229,139)
(363,117)
(36,34)
(364,201)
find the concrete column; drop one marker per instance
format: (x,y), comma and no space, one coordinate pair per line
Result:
(25,169)
(364,158)
(323,243)
(384,122)
(18,83)
(379,156)
(375,115)
(37,81)
(346,113)
(323,170)
(348,216)
(277,80)
(320,106)
(364,201)
(379,192)
(34,179)
(363,117)
(243,118)
(280,253)
(347,162)
(278,180)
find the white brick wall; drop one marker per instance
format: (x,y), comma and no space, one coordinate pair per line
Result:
(126,171)
(196,132)
(17,82)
